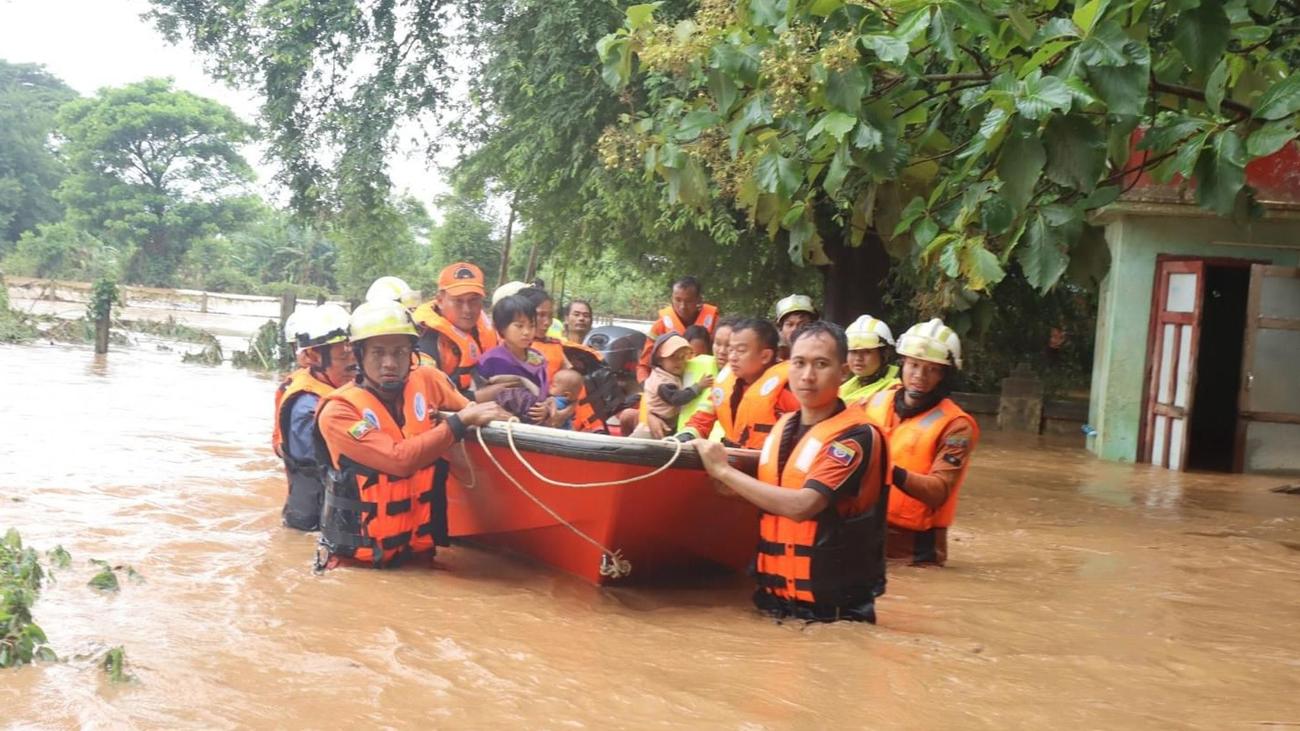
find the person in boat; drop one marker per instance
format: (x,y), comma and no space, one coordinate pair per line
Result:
(454,332)
(561,354)
(870,345)
(714,365)
(327,364)
(755,395)
(295,336)
(931,440)
(792,313)
(385,499)
(393,289)
(577,320)
(529,398)
(567,390)
(699,339)
(687,308)
(665,394)
(822,489)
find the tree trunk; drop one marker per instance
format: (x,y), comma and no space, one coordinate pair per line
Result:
(855,279)
(532,264)
(101,330)
(505,248)
(288,302)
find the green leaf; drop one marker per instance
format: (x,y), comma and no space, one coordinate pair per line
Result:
(914,209)
(1056,28)
(1269,139)
(1262,7)
(835,124)
(1041,255)
(793,215)
(1025,27)
(1221,173)
(671,156)
(1124,88)
(925,231)
(973,18)
(950,258)
(105,580)
(1086,14)
(996,215)
(887,48)
(723,90)
(1019,167)
(1216,86)
(639,16)
(1105,47)
(778,174)
(1184,160)
(823,8)
(844,89)
(1201,35)
(1039,95)
(766,13)
(868,138)
(1045,53)
(839,167)
(755,111)
(981,267)
(1076,152)
(695,122)
(912,26)
(943,33)
(1103,196)
(1281,100)
(1089,258)
(740,62)
(801,233)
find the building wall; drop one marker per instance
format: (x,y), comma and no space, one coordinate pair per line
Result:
(1135,237)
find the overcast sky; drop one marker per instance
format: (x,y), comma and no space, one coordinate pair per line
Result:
(95,43)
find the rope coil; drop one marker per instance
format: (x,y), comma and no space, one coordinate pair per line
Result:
(612,563)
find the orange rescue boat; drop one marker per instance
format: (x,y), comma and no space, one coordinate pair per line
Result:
(599,507)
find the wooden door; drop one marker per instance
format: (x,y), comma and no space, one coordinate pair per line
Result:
(1177,322)
(1268,423)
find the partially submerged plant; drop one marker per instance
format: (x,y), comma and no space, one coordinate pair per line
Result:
(21,574)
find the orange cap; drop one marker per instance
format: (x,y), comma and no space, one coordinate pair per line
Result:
(461,278)
(669,344)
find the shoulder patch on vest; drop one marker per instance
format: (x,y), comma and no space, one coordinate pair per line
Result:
(769,386)
(419,406)
(841,453)
(957,442)
(370,418)
(360,429)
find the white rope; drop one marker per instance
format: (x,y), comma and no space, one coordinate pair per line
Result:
(510,439)
(612,563)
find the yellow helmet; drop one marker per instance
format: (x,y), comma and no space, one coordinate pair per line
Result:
(794,303)
(393,289)
(931,341)
(868,333)
(327,324)
(372,319)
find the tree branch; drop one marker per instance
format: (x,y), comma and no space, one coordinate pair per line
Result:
(1188,92)
(928,97)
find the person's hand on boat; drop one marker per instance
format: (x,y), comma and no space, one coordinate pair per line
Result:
(658,429)
(540,413)
(559,416)
(713,455)
(480,414)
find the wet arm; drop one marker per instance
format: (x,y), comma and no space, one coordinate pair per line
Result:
(934,487)
(341,426)
(799,504)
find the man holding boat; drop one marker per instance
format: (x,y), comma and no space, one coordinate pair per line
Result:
(822,489)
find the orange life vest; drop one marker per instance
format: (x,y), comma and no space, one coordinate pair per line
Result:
(302,503)
(377,518)
(913,445)
(836,559)
(557,352)
(755,415)
(669,321)
(437,332)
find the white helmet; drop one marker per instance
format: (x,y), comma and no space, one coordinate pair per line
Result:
(794,303)
(507,289)
(931,341)
(868,333)
(295,325)
(328,324)
(393,289)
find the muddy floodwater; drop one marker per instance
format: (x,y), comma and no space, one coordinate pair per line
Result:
(1080,594)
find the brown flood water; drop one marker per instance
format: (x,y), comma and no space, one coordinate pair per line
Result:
(1080,594)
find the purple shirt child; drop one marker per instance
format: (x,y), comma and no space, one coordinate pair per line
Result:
(499,361)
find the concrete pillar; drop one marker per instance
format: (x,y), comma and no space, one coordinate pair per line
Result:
(101,329)
(1021,406)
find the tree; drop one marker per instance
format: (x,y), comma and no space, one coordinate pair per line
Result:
(152,169)
(467,233)
(30,172)
(979,134)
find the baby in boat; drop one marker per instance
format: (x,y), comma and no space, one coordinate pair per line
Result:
(664,396)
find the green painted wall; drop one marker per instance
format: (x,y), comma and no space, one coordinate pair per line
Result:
(1135,238)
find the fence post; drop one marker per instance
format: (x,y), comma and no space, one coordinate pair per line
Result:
(1021,405)
(288,301)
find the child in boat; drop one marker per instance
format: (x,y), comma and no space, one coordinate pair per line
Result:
(664,394)
(698,337)
(566,389)
(515,320)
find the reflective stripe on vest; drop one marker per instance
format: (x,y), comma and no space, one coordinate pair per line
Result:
(913,445)
(838,557)
(851,391)
(465,349)
(378,518)
(696,369)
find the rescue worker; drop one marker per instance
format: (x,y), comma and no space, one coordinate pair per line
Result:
(822,489)
(294,325)
(687,308)
(385,498)
(393,289)
(749,402)
(792,313)
(328,364)
(870,342)
(453,329)
(930,443)
(577,320)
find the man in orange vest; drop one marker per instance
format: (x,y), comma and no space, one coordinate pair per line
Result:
(822,489)
(688,308)
(327,364)
(757,393)
(930,443)
(454,332)
(385,491)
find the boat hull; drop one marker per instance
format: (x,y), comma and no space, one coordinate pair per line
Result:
(671,524)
